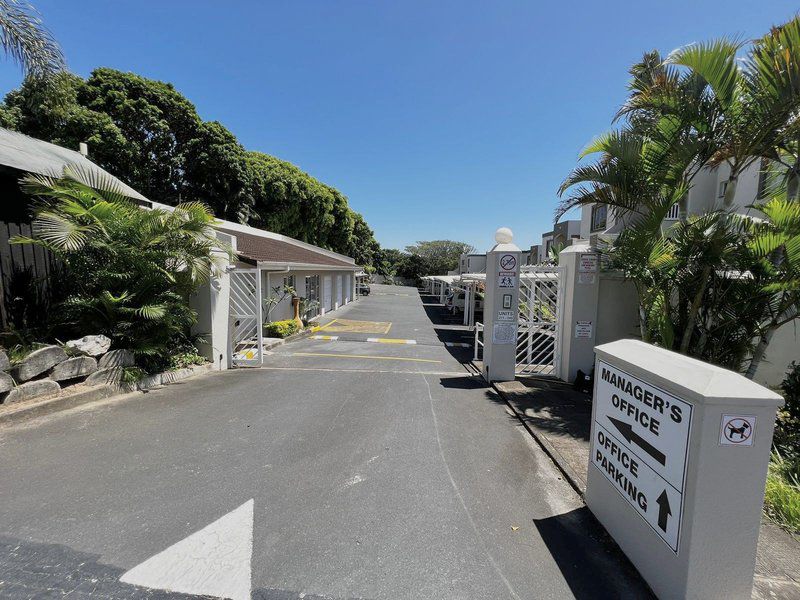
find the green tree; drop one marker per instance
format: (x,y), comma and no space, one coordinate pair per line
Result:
(150,136)
(437,257)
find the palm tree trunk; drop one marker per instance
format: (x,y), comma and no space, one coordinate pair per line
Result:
(730,191)
(758,353)
(695,308)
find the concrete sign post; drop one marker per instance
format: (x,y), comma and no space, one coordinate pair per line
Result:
(678,463)
(501,308)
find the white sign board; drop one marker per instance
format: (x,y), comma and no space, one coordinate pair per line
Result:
(588,263)
(504,333)
(505,315)
(737,430)
(507,280)
(583,329)
(640,444)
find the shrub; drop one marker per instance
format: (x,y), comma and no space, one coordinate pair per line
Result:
(131,270)
(280,329)
(782,495)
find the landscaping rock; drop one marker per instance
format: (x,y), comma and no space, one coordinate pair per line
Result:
(6,383)
(117,358)
(107,376)
(74,367)
(93,345)
(31,390)
(38,362)
(5,364)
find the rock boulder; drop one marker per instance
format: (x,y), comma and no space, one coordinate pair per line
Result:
(116,358)
(38,362)
(93,345)
(6,383)
(107,376)
(5,364)
(31,390)
(74,367)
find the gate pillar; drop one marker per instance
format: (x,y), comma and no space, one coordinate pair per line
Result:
(501,308)
(578,317)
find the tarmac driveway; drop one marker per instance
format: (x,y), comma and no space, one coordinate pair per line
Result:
(359,469)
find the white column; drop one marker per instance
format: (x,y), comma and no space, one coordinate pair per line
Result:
(211,302)
(580,286)
(500,308)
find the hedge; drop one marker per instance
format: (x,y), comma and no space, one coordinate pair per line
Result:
(280,329)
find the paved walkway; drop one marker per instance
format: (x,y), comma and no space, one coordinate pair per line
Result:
(341,469)
(560,419)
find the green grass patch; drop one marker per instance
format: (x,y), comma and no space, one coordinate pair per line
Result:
(782,496)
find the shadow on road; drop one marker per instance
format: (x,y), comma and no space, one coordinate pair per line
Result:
(449,328)
(597,569)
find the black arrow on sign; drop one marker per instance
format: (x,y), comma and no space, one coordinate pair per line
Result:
(631,436)
(664,511)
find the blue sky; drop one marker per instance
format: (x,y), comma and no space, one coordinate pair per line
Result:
(438,120)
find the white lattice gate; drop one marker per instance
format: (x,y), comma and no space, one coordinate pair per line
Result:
(538,351)
(245,317)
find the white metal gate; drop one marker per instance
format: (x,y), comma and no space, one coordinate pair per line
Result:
(538,346)
(245,316)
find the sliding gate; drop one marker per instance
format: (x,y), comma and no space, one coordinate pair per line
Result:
(245,318)
(538,351)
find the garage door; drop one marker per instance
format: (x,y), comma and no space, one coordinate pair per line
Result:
(339,297)
(347,289)
(327,298)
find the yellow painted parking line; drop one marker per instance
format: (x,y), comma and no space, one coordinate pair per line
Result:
(321,327)
(351,326)
(330,355)
(330,338)
(391,341)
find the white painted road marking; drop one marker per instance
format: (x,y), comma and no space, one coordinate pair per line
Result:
(457,345)
(214,561)
(329,338)
(390,341)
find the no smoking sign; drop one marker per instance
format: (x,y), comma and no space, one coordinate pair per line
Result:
(508,262)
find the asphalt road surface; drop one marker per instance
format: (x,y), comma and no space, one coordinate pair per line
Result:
(344,468)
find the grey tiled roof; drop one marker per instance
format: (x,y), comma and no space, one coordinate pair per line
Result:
(25,153)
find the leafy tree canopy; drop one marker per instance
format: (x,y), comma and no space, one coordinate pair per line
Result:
(435,257)
(150,136)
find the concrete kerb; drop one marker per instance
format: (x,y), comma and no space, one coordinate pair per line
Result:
(80,394)
(577,481)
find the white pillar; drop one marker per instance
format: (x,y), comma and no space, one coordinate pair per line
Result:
(501,308)
(580,287)
(211,302)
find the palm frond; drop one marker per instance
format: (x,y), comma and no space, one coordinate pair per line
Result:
(27,41)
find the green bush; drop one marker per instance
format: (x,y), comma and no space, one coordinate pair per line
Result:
(782,495)
(280,329)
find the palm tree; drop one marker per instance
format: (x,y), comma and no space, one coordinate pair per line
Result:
(25,39)
(131,270)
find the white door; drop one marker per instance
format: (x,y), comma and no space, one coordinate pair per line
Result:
(327,302)
(347,288)
(339,291)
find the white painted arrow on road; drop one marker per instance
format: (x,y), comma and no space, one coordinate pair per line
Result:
(214,561)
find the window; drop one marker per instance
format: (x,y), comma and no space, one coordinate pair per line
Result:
(599,215)
(723,187)
(547,247)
